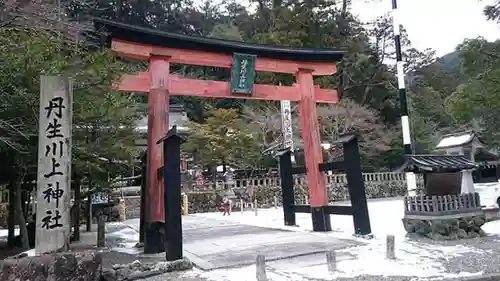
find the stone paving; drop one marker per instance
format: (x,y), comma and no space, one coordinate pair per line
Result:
(214,244)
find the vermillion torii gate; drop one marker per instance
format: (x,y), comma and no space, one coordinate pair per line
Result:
(161,49)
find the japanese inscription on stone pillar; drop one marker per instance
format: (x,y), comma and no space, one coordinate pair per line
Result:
(286,124)
(54,165)
(243,73)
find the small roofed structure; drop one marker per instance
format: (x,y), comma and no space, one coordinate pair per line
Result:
(470,145)
(449,200)
(443,174)
(463,143)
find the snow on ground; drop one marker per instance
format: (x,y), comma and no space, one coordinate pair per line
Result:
(5,232)
(413,258)
(126,235)
(31,253)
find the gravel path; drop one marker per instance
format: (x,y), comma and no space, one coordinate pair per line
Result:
(485,258)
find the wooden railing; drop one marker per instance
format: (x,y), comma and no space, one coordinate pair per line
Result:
(332,180)
(442,205)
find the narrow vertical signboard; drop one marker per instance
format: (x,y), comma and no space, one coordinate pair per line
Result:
(54,165)
(243,73)
(286,124)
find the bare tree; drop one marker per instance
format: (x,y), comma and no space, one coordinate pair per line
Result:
(266,120)
(348,116)
(334,120)
(9,129)
(42,15)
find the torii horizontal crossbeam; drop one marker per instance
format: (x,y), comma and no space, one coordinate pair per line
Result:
(139,51)
(219,89)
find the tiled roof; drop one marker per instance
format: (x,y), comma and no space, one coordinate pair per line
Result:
(176,116)
(149,36)
(486,155)
(457,139)
(438,163)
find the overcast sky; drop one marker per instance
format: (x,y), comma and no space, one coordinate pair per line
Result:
(437,24)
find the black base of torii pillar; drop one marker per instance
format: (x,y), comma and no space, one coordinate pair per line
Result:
(351,165)
(172,194)
(287,196)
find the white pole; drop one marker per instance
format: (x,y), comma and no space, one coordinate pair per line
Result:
(411,181)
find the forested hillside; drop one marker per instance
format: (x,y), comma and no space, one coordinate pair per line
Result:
(451,93)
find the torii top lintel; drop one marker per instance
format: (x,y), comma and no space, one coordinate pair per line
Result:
(140,43)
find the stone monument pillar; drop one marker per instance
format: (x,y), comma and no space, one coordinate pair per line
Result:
(467,182)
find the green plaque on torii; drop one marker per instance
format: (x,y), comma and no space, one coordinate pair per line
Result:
(243,73)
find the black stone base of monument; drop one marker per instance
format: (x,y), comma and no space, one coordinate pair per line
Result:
(446,228)
(320,219)
(154,238)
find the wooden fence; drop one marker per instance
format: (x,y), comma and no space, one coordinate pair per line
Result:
(274,181)
(442,205)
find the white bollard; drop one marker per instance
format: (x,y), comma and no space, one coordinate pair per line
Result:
(331,261)
(255,207)
(390,251)
(241,205)
(275,202)
(260,266)
(306,200)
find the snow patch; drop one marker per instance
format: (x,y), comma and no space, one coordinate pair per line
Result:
(412,258)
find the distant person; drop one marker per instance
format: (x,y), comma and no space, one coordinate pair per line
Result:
(226,206)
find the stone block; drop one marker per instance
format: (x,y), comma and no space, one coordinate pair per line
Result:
(446,229)
(422,227)
(177,265)
(479,220)
(67,266)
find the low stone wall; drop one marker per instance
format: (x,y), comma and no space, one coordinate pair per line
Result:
(137,270)
(4,213)
(447,229)
(71,266)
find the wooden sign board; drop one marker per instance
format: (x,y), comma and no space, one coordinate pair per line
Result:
(98,198)
(54,165)
(286,124)
(243,73)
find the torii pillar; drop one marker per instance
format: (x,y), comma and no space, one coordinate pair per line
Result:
(158,107)
(309,127)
